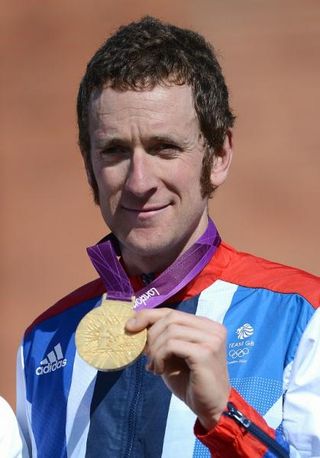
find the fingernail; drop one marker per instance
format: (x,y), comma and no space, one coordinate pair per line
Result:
(131,322)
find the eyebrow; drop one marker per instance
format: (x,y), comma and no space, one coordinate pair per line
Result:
(163,139)
(109,142)
(118,141)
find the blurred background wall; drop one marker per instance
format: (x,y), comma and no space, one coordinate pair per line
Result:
(270,52)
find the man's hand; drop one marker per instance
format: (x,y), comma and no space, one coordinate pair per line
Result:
(189,353)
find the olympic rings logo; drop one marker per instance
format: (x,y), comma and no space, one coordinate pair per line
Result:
(238,353)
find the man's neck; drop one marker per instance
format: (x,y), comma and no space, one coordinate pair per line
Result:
(145,265)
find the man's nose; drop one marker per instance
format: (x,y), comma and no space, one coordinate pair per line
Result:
(141,177)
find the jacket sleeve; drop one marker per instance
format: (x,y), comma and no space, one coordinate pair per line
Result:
(301,411)
(301,427)
(23,408)
(229,439)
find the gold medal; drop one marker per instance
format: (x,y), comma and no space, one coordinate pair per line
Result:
(102,340)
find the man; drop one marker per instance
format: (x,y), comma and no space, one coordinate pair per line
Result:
(233,342)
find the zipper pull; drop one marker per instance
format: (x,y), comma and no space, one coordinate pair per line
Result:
(271,443)
(238,416)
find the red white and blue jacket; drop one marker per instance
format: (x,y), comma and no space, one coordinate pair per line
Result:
(68,409)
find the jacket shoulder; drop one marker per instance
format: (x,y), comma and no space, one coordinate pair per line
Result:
(252,271)
(86,292)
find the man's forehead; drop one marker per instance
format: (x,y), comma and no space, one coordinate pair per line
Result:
(165,113)
(169,98)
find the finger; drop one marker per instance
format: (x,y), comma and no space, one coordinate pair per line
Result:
(164,342)
(184,326)
(212,336)
(193,355)
(146,318)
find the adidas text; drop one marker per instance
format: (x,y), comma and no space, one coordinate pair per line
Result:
(52,362)
(50,367)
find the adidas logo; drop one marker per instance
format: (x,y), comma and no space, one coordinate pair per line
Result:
(53,361)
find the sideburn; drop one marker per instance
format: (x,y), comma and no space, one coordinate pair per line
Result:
(206,186)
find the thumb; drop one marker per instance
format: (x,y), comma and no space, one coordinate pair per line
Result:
(145,318)
(135,324)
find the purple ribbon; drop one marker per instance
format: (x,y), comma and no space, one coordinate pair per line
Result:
(184,269)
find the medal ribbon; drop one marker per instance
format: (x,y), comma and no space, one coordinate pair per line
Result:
(184,269)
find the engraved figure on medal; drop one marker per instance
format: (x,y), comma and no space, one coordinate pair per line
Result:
(101,338)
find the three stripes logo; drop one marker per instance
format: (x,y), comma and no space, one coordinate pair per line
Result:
(53,361)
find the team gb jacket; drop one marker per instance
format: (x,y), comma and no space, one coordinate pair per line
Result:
(68,409)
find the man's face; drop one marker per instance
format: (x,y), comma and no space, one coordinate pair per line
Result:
(146,151)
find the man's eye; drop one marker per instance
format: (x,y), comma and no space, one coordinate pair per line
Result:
(168,146)
(112,150)
(168,149)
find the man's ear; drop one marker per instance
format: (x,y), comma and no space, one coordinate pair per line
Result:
(88,168)
(222,161)
(92,180)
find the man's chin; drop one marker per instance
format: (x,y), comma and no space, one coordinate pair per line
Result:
(145,250)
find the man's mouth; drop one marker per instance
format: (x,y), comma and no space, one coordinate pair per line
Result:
(146,210)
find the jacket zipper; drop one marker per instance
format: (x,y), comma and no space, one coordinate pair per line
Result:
(272,445)
(132,417)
